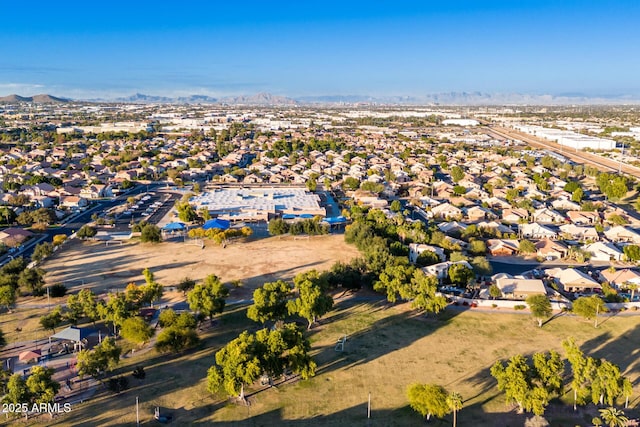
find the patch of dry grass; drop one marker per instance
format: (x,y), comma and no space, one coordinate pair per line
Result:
(388,348)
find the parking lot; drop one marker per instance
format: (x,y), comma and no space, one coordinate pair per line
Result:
(149,206)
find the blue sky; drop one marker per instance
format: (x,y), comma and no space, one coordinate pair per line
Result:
(298,48)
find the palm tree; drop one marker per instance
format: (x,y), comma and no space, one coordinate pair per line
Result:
(454,401)
(596,421)
(613,417)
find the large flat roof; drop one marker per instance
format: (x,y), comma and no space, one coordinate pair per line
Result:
(271,200)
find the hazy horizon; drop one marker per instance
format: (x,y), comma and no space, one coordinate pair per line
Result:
(407,48)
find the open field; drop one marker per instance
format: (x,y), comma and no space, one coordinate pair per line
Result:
(101,267)
(388,348)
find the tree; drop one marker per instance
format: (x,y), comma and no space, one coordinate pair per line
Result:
(457,174)
(44,216)
(7,214)
(428,400)
(540,307)
(613,417)
(459,190)
(7,296)
(186,285)
(394,280)
(577,195)
(42,251)
(549,369)
(632,252)
(103,358)
(523,384)
(117,309)
(350,183)
(152,290)
(346,275)
(89,303)
(42,388)
(606,383)
(136,330)
(526,247)
(426,258)
(176,339)
(150,233)
(284,349)
(236,365)
(460,274)
(571,186)
(186,212)
(52,320)
(494,291)
(278,226)
(312,184)
(454,401)
(17,390)
(269,302)
(396,206)
(589,307)
(581,369)
(481,266)
(208,298)
(245,358)
(86,232)
(312,300)
(423,293)
(32,280)
(167,317)
(477,247)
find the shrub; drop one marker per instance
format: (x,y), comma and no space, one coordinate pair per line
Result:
(519,307)
(59,239)
(58,290)
(139,373)
(150,233)
(118,384)
(86,231)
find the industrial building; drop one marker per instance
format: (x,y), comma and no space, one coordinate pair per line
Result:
(567,138)
(258,203)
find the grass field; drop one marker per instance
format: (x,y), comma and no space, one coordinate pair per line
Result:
(388,348)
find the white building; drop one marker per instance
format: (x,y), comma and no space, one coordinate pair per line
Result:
(258,203)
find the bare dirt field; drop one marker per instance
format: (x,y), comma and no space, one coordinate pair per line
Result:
(102,268)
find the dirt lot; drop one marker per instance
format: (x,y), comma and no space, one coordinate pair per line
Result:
(103,268)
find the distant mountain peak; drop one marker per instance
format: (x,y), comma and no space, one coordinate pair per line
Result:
(38,99)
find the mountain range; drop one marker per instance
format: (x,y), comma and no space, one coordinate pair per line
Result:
(38,99)
(267,99)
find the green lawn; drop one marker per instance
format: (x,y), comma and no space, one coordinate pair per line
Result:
(387,348)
